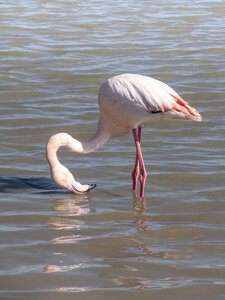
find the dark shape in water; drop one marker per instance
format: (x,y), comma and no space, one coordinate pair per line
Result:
(15,182)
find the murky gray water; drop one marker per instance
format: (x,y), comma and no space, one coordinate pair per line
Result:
(109,244)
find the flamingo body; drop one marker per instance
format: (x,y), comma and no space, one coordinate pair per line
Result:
(127,102)
(132,100)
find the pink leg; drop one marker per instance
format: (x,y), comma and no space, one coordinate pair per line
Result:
(143,173)
(135,172)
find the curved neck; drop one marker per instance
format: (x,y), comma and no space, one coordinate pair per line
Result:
(65,140)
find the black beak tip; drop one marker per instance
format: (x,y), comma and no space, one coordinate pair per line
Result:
(91,186)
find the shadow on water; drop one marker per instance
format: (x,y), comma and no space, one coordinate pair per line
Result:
(41,184)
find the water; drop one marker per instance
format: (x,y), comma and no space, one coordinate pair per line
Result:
(109,244)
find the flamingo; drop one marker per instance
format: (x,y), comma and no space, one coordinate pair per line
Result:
(127,102)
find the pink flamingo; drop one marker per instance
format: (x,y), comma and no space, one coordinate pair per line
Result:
(127,102)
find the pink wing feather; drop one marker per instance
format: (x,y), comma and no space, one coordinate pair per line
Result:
(184,107)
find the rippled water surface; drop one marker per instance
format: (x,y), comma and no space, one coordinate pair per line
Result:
(109,244)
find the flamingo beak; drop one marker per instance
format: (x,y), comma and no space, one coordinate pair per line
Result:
(80,189)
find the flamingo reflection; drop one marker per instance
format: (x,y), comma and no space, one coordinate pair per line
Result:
(68,218)
(67,209)
(140,208)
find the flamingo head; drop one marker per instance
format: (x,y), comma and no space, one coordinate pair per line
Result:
(64,178)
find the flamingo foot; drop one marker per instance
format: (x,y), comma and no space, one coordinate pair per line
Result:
(78,188)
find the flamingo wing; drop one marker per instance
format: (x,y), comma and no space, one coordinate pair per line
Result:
(151,94)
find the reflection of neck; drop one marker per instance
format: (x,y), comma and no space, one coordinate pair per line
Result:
(65,140)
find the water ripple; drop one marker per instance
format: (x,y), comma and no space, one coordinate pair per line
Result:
(109,244)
